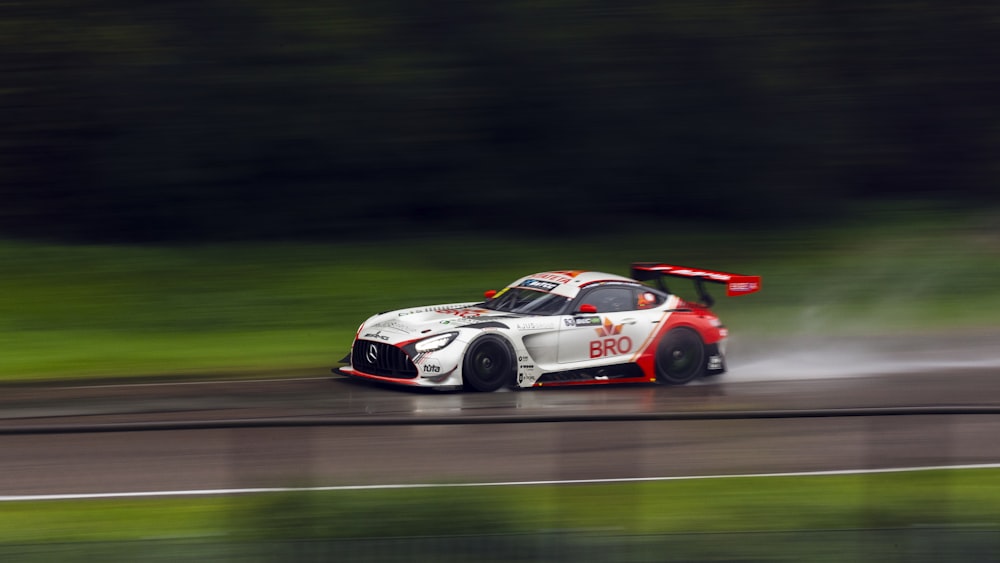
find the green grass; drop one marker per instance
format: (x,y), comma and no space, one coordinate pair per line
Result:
(969,497)
(72,311)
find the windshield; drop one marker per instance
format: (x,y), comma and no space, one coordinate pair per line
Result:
(526,301)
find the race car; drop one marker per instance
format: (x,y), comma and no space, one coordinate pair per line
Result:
(554,328)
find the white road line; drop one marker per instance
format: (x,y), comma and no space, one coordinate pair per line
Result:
(220,492)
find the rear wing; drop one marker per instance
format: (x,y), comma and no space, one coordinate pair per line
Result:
(736,284)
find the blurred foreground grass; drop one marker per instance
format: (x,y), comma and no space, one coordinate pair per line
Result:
(960,498)
(71,311)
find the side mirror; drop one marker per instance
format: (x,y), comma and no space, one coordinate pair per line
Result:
(489,294)
(588,308)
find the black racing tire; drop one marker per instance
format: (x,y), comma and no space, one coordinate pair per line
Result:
(680,357)
(489,364)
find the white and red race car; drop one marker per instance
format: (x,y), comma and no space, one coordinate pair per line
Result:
(553,328)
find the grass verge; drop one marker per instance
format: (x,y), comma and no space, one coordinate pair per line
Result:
(960,497)
(113,311)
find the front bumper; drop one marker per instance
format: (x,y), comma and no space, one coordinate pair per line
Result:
(386,363)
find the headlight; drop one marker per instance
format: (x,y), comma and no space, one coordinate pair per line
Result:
(435,342)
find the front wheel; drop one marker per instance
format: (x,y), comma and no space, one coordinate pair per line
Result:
(489,364)
(680,357)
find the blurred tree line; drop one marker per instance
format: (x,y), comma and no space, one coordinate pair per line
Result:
(234,119)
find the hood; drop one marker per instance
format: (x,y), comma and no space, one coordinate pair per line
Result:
(419,322)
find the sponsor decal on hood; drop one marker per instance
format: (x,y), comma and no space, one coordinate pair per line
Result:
(406,324)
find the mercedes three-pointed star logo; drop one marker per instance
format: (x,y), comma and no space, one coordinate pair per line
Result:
(372,354)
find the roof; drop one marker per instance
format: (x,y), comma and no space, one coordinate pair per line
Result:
(567,283)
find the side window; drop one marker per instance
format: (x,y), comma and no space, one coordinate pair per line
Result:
(611,299)
(646,299)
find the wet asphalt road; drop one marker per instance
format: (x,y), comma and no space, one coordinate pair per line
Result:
(504,436)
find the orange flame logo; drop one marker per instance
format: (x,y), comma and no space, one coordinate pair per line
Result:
(608,329)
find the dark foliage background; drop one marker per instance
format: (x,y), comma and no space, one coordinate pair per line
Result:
(248,119)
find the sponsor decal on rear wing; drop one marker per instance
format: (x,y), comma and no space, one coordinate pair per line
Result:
(736,284)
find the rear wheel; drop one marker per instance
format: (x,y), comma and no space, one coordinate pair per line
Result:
(680,357)
(489,364)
